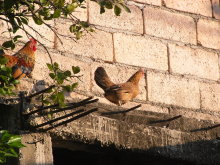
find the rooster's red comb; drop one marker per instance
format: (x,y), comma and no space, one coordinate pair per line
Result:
(141,70)
(33,40)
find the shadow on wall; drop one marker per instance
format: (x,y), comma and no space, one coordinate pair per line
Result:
(201,152)
(65,156)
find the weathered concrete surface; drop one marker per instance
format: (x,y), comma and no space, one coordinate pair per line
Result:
(38,150)
(147,132)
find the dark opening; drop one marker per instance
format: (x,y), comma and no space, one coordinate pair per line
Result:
(106,156)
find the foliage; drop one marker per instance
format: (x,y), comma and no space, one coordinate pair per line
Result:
(63,83)
(116,5)
(7,82)
(9,144)
(17,15)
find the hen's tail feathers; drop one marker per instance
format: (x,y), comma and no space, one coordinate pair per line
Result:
(102,79)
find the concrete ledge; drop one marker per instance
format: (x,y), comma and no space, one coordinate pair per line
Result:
(148,132)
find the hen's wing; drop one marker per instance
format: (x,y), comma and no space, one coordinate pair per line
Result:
(121,93)
(102,79)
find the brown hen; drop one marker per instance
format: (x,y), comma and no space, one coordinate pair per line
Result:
(118,93)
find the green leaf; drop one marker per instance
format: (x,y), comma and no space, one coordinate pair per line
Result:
(91,30)
(50,67)
(61,76)
(50,90)
(46,102)
(67,73)
(52,75)
(4,135)
(71,7)
(37,20)
(3,60)
(74,85)
(67,88)
(125,8)
(57,13)
(11,153)
(81,1)
(8,4)
(9,44)
(61,98)
(117,10)
(102,9)
(24,20)
(108,5)
(56,65)
(43,1)
(2,159)
(2,92)
(78,35)
(75,69)
(16,82)
(72,28)
(15,141)
(8,145)
(18,21)
(17,37)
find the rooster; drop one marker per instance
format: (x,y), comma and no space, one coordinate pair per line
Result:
(118,94)
(22,62)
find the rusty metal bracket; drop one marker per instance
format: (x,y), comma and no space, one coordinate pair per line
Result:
(70,106)
(68,120)
(166,120)
(54,109)
(206,129)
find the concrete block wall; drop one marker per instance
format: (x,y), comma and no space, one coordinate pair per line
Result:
(177,43)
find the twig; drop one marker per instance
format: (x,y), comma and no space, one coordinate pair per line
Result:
(78,77)
(8,30)
(6,20)
(37,32)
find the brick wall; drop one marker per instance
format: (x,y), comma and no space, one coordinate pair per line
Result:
(177,42)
